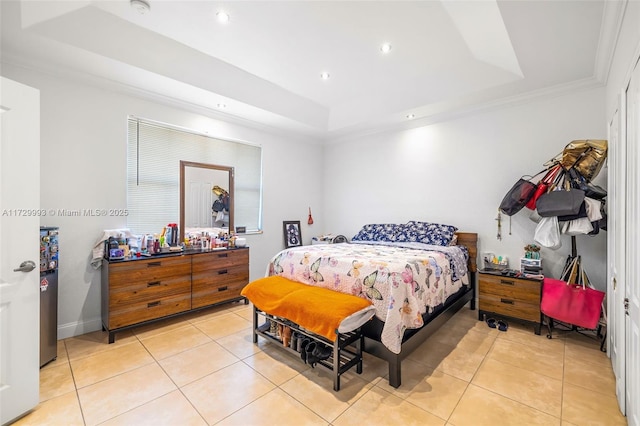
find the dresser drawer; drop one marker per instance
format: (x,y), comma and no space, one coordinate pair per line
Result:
(220,260)
(146,271)
(213,286)
(510,288)
(503,305)
(209,295)
(132,313)
(138,292)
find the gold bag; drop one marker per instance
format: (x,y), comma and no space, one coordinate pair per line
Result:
(594,150)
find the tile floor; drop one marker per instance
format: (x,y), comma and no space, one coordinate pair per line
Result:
(204,369)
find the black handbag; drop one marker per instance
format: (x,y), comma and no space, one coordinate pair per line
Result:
(560,203)
(590,190)
(517,197)
(582,212)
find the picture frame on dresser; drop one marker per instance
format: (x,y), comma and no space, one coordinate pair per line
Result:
(292,234)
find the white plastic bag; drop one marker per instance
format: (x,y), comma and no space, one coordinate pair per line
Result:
(548,233)
(578,226)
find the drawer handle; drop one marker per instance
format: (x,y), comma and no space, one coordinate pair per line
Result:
(223,255)
(150,264)
(223,288)
(153,284)
(507,301)
(507,282)
(223,271)
(152,304)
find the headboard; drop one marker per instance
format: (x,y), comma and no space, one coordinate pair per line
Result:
(470,240)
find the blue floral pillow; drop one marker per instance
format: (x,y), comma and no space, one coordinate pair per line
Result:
(378,232)
(428,233)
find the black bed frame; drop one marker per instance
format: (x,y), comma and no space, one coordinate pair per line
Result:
(377,349)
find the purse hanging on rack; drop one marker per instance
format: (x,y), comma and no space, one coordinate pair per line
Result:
(543,186)
(571,299)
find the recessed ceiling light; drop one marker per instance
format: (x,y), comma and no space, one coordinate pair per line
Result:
(222,16)
(325,75)
(385,48)
(222,106)
(141,6)
(410,116)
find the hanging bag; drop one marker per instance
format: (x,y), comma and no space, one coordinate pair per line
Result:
(575,304)
(586,155)
(519,195)
(560,203)
(543,186)
(547,233)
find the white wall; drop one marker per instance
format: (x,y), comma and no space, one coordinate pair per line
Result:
(398,176)
(83,166)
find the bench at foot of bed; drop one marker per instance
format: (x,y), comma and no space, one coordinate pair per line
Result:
(297,316)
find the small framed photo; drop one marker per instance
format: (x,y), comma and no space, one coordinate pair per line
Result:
(292,235)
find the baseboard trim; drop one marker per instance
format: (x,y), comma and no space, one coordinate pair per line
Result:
(77,328)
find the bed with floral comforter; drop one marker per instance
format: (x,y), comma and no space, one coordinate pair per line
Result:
(403,279)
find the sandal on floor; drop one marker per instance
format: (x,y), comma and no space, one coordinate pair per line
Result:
(502,325)
(491,322)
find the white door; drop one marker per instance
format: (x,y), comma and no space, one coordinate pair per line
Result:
(19,236)
(633,245)
(616,241)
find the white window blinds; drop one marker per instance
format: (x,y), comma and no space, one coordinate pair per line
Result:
(153,174)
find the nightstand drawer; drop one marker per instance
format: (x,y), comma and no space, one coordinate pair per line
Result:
(503,305)
(510,288)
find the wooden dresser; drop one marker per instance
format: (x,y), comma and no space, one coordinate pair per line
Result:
(142,290)
(504,296)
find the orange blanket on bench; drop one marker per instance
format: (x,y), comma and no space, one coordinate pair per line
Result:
(316,309)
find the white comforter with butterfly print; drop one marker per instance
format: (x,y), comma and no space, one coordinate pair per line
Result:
(403,283)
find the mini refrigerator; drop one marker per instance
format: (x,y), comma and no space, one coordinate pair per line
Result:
(48,294)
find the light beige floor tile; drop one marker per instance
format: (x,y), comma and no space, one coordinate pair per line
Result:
(379,407)
(209,313)
(599,378)
(219,394)
(314,389)
(241,344)
(170,409)
(61,356)
(112,397)
(275,408)
(587,350)
(522,385)
(196,363)
(468,340)
(223,325)
(480,407)
(582,406)
(244,311)
(524,334)
(61,410)
(145,331)
(374,369)
(448,359)
(413,373)
(542,361)
(276,365)
(438,393)
(97,341)
(102,365)
(175,341)
(56,381)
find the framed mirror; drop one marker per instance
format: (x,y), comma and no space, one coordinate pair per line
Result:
(206,197)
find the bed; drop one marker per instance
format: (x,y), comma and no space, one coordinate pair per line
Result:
(417,275)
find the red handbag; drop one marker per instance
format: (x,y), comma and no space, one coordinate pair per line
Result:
(543,186)
(574,304)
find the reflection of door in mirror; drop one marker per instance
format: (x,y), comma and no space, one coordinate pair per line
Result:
(206,198)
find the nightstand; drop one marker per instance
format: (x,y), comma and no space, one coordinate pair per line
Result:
(517,298)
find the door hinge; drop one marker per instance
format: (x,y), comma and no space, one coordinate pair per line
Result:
(626,306)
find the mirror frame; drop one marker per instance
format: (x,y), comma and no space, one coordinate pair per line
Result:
(183,165)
